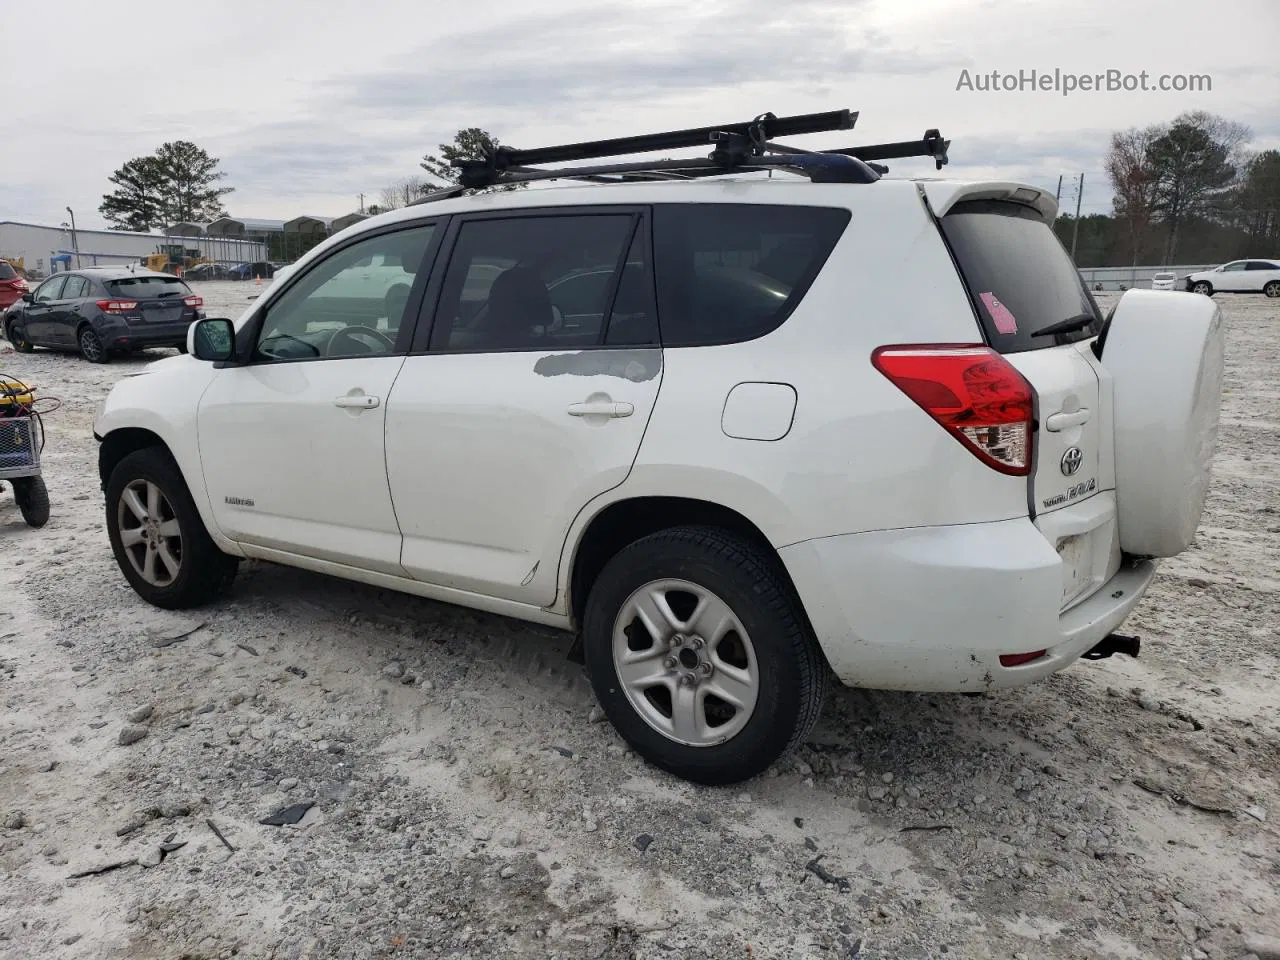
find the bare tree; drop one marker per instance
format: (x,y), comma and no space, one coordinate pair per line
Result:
(1133,183)
(403,192)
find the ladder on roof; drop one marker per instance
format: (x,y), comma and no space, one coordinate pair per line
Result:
(736,148)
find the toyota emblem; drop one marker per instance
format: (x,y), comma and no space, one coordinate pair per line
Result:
(1071,461)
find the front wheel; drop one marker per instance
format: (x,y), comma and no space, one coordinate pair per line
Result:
(1272,289)
(700,655)
(32,497)
(157,536)
(91,346)
(17,336)
(1202,287)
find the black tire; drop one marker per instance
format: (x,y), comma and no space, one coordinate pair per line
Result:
(17,336)
(32,497)
(91,346)
(792,673)
(204,571)
(181,347)
(1272,289)
(1202,286)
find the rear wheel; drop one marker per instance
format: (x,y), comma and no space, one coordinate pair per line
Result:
(699,654)
(157,536)
(32,497)
(1204,287)
(91,345)
(16,334)
(1272,289)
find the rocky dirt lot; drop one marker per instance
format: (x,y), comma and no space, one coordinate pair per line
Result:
(459,796)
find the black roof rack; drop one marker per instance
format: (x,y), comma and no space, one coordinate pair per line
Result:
(736,147)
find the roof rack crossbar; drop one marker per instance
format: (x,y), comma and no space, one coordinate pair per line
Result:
(769,127)
(930,145)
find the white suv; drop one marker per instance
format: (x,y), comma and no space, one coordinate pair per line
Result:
(742,435)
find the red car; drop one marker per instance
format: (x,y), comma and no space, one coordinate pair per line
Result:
(12,286)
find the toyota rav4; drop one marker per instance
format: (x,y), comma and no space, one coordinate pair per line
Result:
(742,435)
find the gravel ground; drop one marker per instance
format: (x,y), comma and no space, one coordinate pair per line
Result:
(465,800)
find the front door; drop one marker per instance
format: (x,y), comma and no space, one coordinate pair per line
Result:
(39,315)
(291,441)
(1234,279)
(529,399)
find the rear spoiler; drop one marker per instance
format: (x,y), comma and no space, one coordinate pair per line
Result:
(942,195)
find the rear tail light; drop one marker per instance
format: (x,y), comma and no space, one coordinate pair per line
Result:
(117,306)
(16,282)
(973,392)
(193,301)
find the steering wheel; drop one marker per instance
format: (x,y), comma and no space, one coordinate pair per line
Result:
(387,344)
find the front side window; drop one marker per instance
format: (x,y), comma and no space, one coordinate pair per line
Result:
(535,282)
(350,304)
(50,290)
(1233,267)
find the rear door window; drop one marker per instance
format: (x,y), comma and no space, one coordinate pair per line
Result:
(1019,276)
(534,282)
(76,288)
(148,288)
(733,272)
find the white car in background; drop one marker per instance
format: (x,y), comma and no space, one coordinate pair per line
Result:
(1238,276)
(1164,281)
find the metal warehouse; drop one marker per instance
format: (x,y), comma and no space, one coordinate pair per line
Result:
(44,250)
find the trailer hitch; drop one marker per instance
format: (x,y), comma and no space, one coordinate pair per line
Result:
(1112,644)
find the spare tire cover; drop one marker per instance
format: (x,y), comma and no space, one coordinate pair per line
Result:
(1165,353)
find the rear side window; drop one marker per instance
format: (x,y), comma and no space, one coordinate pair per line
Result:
(148,288)
(733,272)
(1019,276)
(544,283)
(6,271)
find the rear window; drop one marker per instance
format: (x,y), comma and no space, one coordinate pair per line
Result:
(1019,276)
(6,271)
(733,272)
(148,288)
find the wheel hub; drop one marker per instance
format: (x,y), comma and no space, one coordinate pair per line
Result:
(687,660)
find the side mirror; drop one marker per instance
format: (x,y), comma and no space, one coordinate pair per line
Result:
(28,297)
(212,339)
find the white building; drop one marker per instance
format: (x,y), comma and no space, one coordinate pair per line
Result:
(46,249)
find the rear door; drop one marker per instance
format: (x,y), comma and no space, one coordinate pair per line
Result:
(66,314)
(513,415)
(1022,282)
(1259,273)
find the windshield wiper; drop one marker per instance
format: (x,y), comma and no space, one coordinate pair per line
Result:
(1069,325)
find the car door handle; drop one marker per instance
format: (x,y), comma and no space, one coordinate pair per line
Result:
(360,401)
(601,408)
(1064,421)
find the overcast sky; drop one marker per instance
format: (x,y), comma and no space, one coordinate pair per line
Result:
(309,103)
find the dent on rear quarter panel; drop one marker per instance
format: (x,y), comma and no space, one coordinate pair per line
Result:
(634,365)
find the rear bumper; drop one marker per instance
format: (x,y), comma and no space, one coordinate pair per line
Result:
(157,335)
(934,608)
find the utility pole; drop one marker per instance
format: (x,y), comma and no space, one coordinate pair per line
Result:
(1075,227)
(75,240)
(1057,194)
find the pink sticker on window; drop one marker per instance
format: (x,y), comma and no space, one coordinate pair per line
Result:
(1000,314)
